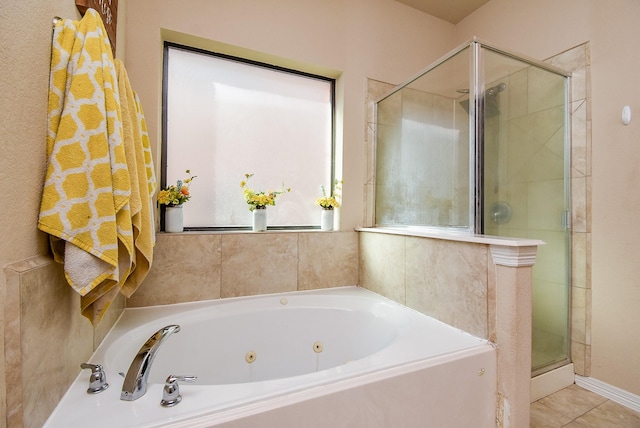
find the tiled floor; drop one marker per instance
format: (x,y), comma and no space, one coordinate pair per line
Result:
(575,407)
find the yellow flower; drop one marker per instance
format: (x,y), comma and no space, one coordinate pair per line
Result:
(176,194)
(260,199)
(163,197)
(332,201)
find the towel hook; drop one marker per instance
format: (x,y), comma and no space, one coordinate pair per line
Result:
(55,21)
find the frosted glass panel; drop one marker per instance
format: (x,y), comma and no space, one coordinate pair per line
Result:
(226,118)
(422,170)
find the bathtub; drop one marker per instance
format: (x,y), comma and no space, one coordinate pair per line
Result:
(339,357)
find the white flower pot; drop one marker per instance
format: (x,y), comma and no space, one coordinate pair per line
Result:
(173,219)
(326,220)
(260,220)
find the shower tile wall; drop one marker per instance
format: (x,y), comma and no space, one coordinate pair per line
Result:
(375,90)
(577,60)
(432,144)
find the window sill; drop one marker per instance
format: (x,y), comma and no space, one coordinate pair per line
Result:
(245,231)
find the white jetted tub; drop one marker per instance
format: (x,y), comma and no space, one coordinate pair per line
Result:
(340,357)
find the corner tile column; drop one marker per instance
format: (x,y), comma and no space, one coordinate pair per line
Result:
(513,324)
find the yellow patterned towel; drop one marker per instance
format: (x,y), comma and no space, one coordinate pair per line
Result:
(141,219)
(85,200)
(148,159)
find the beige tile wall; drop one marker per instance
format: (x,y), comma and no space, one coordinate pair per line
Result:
(46,338)
(199,266)
(443,279)
(449,281)
(577,60)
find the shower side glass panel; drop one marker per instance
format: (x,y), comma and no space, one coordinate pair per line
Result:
(525,189)
(422,152)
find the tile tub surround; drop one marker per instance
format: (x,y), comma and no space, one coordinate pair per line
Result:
(43,312)
(198,266)
(487,293)
(193,266)
(46,338)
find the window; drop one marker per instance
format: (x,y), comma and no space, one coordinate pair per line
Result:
(224,117)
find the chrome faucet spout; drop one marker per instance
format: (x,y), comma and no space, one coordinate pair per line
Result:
(135,382)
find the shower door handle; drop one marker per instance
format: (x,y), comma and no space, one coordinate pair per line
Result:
(565,220)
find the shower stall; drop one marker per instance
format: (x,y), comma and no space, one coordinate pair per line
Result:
(479,143)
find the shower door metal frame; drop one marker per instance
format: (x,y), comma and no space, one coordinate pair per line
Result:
(476,135)
(477,122)
(476,127)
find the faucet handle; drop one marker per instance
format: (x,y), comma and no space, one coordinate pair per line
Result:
(98,380)
(171,394)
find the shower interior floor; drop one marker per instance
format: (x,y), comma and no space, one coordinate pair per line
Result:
(576,407)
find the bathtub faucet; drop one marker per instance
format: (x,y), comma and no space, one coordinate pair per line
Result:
(135,382)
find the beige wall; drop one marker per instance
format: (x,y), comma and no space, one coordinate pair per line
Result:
(349,39)
(544,28)
(25,48)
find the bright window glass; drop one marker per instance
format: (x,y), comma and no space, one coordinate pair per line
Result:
(225,117)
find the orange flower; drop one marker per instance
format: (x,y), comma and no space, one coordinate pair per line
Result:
(176,194)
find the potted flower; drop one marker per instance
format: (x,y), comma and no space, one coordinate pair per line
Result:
(328,203)
(258,202)
(173,197)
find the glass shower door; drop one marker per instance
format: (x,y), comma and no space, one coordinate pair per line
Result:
(479,143)
(525,186)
